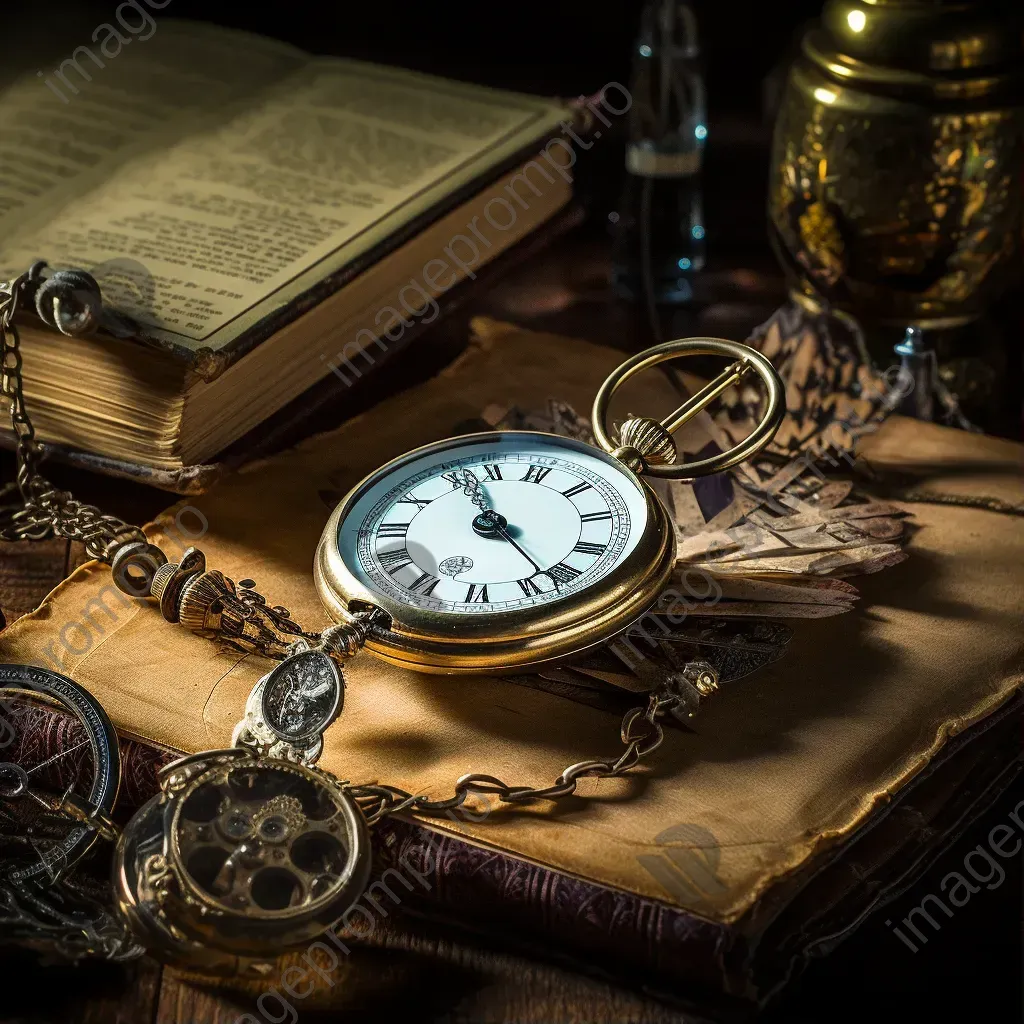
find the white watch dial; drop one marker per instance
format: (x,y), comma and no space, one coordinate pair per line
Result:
(548,522)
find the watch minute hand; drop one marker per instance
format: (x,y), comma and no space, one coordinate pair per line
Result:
(502,532)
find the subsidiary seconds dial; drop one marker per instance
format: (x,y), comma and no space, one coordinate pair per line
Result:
(493,526)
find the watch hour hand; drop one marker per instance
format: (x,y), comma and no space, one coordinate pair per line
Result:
(472,488)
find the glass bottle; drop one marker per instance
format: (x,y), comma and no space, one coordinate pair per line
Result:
(658,229)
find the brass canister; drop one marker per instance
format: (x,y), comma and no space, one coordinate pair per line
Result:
(897,177)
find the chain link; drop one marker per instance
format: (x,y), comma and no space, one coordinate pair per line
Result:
(31,508)
(641,733)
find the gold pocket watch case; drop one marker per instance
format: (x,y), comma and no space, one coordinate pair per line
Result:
(461,640)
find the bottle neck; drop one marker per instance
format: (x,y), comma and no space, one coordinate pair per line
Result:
(667,125)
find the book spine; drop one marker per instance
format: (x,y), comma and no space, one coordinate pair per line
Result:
(545,911)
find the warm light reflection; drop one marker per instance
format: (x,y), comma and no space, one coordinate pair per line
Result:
(824,95)
(856,20)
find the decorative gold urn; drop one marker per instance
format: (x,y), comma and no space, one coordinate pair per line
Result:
(897,177)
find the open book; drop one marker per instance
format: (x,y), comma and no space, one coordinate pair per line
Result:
(264,218)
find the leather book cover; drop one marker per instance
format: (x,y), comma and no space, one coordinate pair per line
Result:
(781,772)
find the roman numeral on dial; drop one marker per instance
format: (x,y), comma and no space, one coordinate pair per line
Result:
(454,480)
(424,584)
(558,574)
(573,491)
(593,517)
(529,588)
(392,561)
(493,472)
(411,499)
(587,548)
(535,474)
(562,573)
(392,529)
(477,595)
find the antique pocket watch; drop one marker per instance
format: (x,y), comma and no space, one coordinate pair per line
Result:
(499,550)
(488,552)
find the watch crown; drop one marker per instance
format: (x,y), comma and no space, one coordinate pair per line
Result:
(654,443)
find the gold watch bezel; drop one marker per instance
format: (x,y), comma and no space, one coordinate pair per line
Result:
(426,640)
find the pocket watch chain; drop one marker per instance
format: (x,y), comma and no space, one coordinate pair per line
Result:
(641,733)
(44,510)
(32,508)
(207,602)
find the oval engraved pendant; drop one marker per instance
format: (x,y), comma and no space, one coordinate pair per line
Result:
(239,859)
(290,708)
(301,697)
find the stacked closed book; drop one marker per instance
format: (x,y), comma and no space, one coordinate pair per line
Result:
(766,833)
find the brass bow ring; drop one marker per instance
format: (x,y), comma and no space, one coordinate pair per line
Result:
(647,446)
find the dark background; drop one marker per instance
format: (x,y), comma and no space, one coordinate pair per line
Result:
(973,967)
(548,47)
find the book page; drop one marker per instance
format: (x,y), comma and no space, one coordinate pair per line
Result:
(76,122)
(204,235)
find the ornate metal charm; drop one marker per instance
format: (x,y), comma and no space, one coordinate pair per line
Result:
(302,696)
(290,708)
(692,684)
(208,602)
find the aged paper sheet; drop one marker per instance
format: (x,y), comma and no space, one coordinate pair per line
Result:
(779,767)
